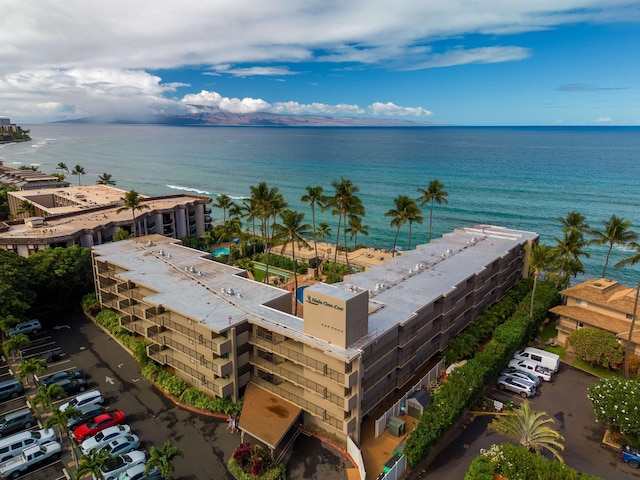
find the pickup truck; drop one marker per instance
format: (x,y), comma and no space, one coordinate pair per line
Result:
(630,455)
(30,456)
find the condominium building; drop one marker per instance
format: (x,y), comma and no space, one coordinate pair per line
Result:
(28,179)
(88,216)
(599,303)
(356,346)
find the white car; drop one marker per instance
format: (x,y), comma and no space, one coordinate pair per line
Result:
(85,401)
(113,467)
(137,473)
(122,444)
(102,438)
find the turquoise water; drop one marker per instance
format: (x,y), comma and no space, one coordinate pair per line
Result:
(522,178)
(218,252)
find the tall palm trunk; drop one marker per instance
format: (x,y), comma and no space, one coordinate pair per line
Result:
(295,277)
(315,241)
(533,292)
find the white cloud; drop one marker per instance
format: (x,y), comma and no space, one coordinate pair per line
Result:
(250,71)
(395,110)
(233,105)
(461,56)
(603,120)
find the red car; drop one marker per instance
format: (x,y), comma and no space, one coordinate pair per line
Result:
(99,423)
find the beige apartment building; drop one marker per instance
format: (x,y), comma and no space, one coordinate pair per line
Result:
(357,345)
(28,179)
(598,303)
(88,215)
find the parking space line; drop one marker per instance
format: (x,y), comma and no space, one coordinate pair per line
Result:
(39,346)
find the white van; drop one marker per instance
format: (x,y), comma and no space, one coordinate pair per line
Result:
(541,357)
(539,371)
(14,445)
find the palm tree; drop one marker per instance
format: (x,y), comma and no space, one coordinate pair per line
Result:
(15,343)
(79,171)
(356,227)
(6,324)
(132,201)
(62,167)
(616,232)
(47,394)
(633,259)
(400,214)
(268,202)
(92,463)
(540,258)
(26,207)
(434,193)
(162,458)
(414,214)
(31,367)
(105,179)
(223,202)
(530,429)
(60,420)
(574,221)
(315,196)
(344,202)
(292,231)
(568,250)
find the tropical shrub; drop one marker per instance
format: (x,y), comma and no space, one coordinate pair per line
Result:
(615,402)
(257,463)
(596,346)
(516,462)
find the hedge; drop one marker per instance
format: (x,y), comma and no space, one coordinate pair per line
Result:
(466,382)
(516,462)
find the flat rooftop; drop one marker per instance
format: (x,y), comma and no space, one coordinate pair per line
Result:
(64,226)
(190,282)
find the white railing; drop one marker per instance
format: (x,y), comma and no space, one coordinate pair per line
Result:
(396,471)
(394,411)
(356,455)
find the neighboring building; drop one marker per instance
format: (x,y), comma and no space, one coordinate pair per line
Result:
(87,216)
(359,343)
(598,303)
(28,179)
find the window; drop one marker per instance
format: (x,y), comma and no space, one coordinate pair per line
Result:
(580,325)
(582,303)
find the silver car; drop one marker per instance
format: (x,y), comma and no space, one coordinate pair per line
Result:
(516,372)
(522,387)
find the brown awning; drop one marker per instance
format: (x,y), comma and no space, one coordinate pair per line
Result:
(265,416)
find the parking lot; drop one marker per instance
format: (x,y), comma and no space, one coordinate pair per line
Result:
(565,400)
(205,440)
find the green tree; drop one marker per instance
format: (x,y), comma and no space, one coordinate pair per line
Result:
(61,275)
(162,459)
(356,228)
(105,179)
(434,193)
(134,202)
(405,207)
(79,171)
(540,259)
(122,234)
(315,197)
(47,394)
(6,324)
(62,167)
(574,221)
(597,346)
(30,368)
(615,403)
(616,232)
(26,207)
(530,429)
(344,202)
(568,251)
(16,285)
(223,202)
(292,232)
(267,203)
(92,463)
(15,343)
(633,259)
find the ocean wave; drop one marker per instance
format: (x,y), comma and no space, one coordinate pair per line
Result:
(188,189)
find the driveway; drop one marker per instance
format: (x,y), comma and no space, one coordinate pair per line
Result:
(565,400)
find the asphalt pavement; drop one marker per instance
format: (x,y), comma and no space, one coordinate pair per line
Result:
(565,400)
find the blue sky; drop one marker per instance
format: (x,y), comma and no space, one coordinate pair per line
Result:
(461,62)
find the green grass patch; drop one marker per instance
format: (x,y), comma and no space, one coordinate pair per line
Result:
(557,349)
(597,369)
(548,332)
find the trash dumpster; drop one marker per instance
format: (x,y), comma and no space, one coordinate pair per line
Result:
(397,426)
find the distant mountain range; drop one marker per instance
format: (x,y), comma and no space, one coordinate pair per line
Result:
(218,117)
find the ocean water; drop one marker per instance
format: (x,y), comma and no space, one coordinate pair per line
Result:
(522,178)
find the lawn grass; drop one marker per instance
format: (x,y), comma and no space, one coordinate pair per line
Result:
(597,369)
(548,332)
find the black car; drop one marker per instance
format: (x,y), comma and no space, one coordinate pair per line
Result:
(72,423)
(71,386)
(52,357)
(66,375)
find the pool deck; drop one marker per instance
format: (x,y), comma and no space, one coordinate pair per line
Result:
(363,257)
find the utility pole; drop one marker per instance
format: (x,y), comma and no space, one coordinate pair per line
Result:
(627,352)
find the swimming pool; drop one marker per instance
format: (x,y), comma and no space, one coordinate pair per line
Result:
(272,270)
(218,252)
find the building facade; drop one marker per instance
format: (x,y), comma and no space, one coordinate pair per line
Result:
(28,179)
(598,303)
(88,216)
(357,345)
